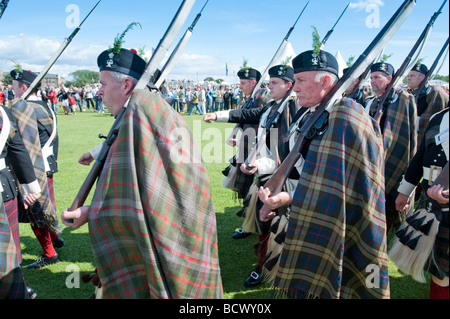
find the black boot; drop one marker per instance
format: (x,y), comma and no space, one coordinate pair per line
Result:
(254,279)
(239,234)
(44,261)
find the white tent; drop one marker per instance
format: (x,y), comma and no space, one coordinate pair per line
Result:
(341,62)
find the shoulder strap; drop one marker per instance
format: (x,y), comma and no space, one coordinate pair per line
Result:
(5,129)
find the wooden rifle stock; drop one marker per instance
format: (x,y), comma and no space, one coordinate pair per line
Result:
(277,180)
(86,187)
(97,167)
(307,131)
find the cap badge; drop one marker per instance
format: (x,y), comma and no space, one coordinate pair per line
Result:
(110,61)
(281,71)
(315,59)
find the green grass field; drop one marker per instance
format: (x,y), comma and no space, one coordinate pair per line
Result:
(78,134)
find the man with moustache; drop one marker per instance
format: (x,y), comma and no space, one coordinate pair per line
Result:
(336,228)
(151,220)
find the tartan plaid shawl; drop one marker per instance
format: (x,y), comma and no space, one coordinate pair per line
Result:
(152,223)
(243,181)
(336,230)
(28,114)
(400,140)
(437,100)
(12,285)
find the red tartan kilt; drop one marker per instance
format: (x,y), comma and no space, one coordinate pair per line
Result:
(13,219)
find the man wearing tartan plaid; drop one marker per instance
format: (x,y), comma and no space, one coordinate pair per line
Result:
(21,179)
(335,243)
(431,100)
(398,126)
(12,284)
(425,167)
(276,150)
(37,126)
(151,221)
(14,153)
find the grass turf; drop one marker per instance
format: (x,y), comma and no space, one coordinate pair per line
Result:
(78,134)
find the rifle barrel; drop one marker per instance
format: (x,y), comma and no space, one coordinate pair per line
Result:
(387,93)
(55,57)
(295,23)
(277,180)
(165,43)
(325,39)
(278,52)
(178,50)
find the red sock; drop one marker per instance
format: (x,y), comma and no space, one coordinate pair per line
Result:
(44,238)
(438,292)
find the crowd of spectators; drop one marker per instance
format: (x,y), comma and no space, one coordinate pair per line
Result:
(204,99)
(65,99)
(200,99)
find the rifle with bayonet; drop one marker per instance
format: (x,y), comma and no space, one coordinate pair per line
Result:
(430,71)
(315,122)
(262,141)
(178,50)
(157,58)
(165,43)
(325,39)
(276,56)
(56,56)
(388,94)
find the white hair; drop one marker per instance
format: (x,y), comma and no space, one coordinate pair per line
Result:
(321,74)
(120,77)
